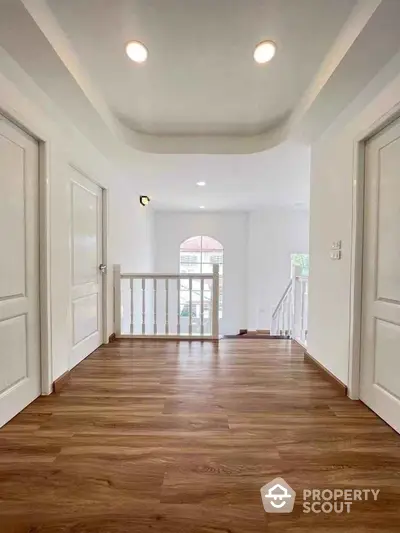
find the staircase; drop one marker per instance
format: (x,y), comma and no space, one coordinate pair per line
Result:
(256,334)
(289,319)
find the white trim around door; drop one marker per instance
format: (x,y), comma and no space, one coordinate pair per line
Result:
(35,130)
(25,362)
(357,248)
(88,266)
(380,342)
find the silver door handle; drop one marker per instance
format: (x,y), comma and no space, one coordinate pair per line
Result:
(103,268)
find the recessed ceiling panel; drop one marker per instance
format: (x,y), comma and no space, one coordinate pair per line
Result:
(200,77)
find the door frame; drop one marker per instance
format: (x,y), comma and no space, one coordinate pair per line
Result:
(46,361)
(34,128)
(356,247)
(104,248)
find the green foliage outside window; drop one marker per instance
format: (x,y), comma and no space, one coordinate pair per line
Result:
(303,261)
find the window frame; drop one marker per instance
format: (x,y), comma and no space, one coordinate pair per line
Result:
(201,251)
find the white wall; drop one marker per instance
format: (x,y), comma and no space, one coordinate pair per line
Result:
(130,229)
(171,228)
(274,234)
(333,171)
(257,248)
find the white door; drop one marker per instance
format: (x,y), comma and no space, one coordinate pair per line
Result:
(19,271)
(86,277)
(380,360)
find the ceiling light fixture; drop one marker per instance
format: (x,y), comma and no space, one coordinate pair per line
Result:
(264,52)
(136,51)
(202,207)
(201,183)
(144,200)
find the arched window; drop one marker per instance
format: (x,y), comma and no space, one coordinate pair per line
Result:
(197,256)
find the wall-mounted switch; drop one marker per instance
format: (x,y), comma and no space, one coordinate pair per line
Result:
(336,251)
(336,255)
(337,245)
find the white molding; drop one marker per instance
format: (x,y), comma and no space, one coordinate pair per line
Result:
(105,277)
(357,233)
(301,343)
(357,237)
(206,144)
(46,359)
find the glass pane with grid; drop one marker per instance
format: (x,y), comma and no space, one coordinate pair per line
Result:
(197,256)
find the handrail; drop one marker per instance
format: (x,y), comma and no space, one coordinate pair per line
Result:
(166,276)
(289,318)
(135,305)
(281,300)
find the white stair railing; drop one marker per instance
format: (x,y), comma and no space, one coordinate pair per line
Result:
(289,318)
(169,306)
(281,323)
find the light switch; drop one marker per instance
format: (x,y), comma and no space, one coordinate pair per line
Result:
(336,251)
(337,245)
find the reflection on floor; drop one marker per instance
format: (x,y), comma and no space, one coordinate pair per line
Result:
(168,437)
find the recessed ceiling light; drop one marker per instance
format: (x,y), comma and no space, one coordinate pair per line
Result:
(136,51)
(202,207)
(201,183)
(264,52)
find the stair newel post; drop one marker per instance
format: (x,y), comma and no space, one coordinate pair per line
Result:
(117,299)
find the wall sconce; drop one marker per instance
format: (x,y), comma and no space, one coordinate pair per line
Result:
(144,200)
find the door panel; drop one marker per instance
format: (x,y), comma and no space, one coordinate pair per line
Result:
(12,280)
(19,271)
(86,281)
(388,252)
(380,360)
(84,237)
(387,360)
(85,317)
(13,341)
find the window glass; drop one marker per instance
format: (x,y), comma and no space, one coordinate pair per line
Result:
(197,256)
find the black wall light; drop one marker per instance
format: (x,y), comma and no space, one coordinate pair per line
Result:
(144,200)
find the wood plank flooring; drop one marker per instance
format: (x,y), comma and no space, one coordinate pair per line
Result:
(179,438)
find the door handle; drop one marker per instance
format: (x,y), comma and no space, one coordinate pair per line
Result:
(103,268)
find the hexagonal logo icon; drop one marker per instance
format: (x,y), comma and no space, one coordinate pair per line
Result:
(277,496)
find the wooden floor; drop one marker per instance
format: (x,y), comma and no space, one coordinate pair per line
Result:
(179,438)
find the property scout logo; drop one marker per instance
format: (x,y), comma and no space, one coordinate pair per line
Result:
(277,496)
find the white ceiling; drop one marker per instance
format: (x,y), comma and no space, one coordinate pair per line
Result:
(279,177)
(200,78)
